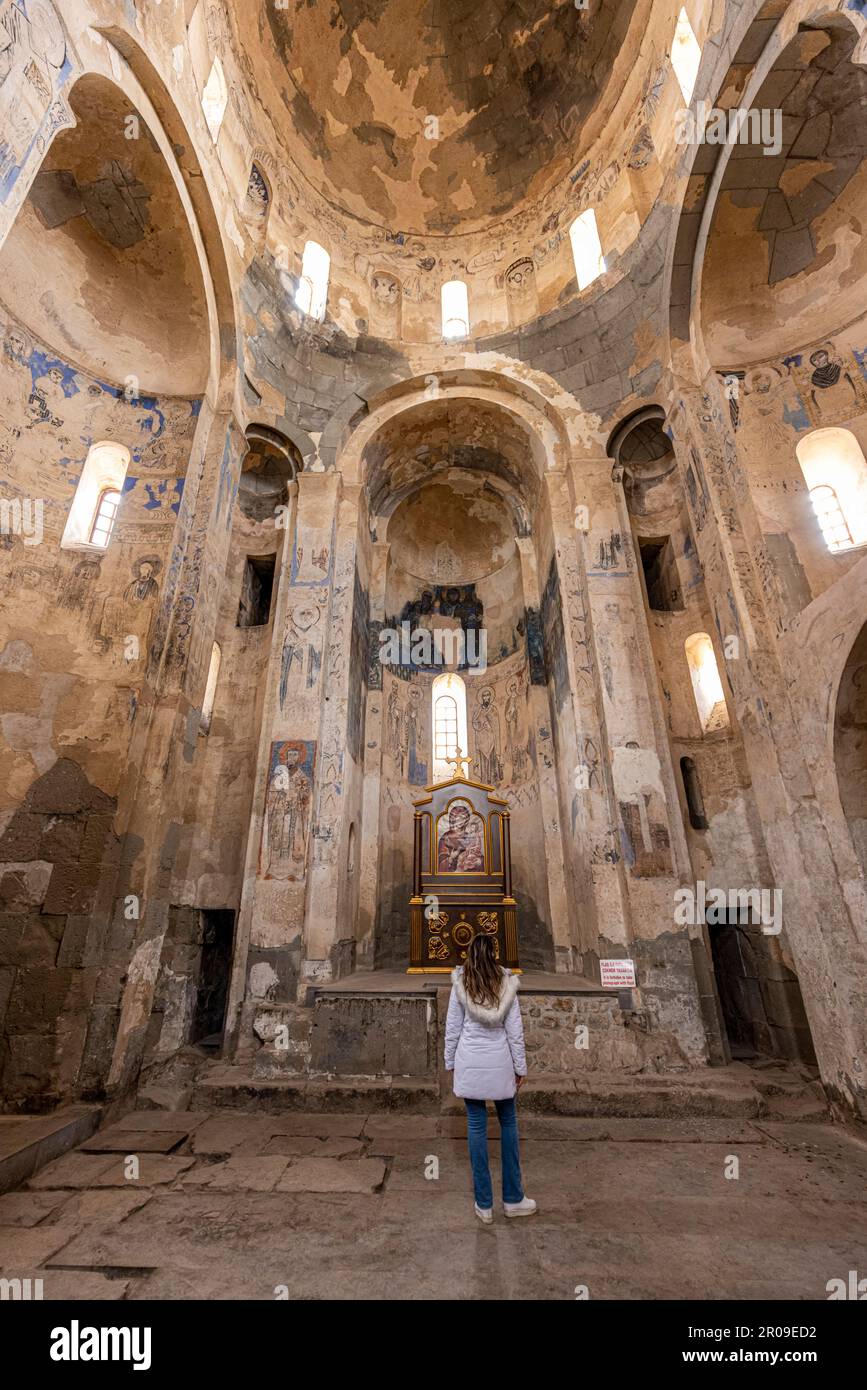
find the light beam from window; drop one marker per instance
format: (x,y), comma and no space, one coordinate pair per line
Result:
(211,689)
(215,99)
(102,480)
(311,296)
(706,684)
(835,471)
(449,721)
(586,249)
(455,310)
(685,56)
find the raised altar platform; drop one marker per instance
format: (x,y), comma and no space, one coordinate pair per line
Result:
(400,982)
(387,1023)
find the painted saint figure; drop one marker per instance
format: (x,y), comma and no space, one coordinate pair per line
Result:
(416,769)
(486,727)
(143,584)
(838,394)
(514,741)
(394,726)
(286,816)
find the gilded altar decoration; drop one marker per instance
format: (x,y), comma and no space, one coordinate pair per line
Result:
(463,933)
(461,861)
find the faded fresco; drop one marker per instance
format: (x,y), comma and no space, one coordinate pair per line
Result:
(35,66)
(288,797)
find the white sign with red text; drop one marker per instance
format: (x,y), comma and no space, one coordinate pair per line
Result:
(618,974)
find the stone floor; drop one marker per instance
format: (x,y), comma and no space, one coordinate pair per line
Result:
(235,1205)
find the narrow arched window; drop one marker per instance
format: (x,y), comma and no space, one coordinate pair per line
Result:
(215,98)
(835,471)
(829,515)
(685,56)
(449,722)
(445,728)
(311,296)
(258,200)
(694,798)
(706,684)
(94,509)
(104,518)
(211,689)
(455,309)
(586,249)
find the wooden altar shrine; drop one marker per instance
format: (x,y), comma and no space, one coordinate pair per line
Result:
(462,876)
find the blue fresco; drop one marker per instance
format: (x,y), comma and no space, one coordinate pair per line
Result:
(797,417)
(60,79)
(300,538)
(227,486)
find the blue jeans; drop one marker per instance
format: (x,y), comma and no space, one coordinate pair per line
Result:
(477,1134)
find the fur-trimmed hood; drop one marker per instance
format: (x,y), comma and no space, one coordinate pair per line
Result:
(484,1013)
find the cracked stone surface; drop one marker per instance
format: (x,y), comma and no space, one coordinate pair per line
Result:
(631,1208)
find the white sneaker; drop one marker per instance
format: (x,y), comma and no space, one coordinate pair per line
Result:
(526,1207)
(485,1214)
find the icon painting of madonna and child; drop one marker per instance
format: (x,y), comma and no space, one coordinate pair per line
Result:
(461,842)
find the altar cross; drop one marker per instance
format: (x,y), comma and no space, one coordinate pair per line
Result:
(458,760)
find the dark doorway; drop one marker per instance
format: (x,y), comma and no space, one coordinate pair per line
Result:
(694,798)
(212,988)
(254,608)
(759,995)
(660,575)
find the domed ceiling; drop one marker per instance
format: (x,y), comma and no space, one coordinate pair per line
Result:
(432,115)
(786,245)
(434,437)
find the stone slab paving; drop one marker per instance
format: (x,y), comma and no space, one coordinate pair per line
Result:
(118,1140)
(379,1206)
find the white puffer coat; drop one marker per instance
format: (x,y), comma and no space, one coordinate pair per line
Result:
(485,1045)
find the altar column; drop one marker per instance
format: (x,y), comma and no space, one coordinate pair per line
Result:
(329,945)
(369,849)
(561,904)
(586,781)
(269,933)
(628,816)
(641,802)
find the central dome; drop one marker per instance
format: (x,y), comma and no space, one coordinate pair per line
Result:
(432,115)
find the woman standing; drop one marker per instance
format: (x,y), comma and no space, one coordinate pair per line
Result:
(485,1048)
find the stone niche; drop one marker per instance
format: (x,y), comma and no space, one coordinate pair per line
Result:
(454,568)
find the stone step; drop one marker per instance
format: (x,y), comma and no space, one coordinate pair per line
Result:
(237,1088)
(29,1142)
(715,1091)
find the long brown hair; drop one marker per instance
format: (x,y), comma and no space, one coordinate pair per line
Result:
(482,974)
